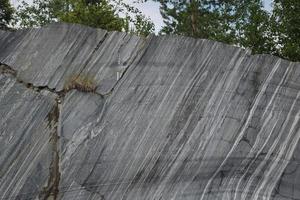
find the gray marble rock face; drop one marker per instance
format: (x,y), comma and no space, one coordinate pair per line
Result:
(25,134)
(186,120)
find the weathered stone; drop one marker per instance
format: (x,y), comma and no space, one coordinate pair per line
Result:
(188,119)
(49,56)
(25,139)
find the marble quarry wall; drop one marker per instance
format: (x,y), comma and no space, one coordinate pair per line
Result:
(168,118)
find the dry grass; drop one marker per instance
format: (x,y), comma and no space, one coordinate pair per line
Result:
(81,82)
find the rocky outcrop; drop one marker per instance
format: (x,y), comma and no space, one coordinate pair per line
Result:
(171,118)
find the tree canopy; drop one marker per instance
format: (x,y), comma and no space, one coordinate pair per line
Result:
(286,28)
(95,13)
(6,13)
(243,23)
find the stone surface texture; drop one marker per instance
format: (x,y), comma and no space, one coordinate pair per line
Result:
(172,118)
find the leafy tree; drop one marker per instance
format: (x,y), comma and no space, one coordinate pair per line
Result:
(184,18)
(253,27)
(286,28)
(39,13)
(6,13)
(135,21)
(142,26)
(200,18)
(241,22)
(95,13)
(92,13)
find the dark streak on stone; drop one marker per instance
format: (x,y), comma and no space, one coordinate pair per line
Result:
(51,191)
(94,51)
(137,57)
(5,69)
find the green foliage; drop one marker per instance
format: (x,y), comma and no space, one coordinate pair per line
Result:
(241,22)
(142,25)
(95,13)
(134,21)
(40,13)
(6,13)
(253,28)
(286,28)
(201,19)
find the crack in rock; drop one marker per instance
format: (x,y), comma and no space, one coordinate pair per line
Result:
(5,69)
(93,52)
(51,191)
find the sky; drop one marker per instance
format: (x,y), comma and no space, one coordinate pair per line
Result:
(151,9)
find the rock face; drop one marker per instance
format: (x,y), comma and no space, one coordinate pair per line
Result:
(172,118)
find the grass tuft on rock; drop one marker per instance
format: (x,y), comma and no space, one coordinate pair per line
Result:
(81,82)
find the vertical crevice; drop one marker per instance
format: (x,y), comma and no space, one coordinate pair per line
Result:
(51,190)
